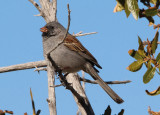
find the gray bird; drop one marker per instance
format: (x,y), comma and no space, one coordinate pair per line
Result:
(71,56)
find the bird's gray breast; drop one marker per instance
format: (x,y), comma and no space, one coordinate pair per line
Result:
(51,43)
(66,59)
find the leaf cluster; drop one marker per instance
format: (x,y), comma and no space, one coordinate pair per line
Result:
(146,56)
(132,7)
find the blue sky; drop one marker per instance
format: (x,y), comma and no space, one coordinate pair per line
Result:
(21,42)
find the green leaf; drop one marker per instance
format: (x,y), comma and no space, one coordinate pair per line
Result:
(149,74)
(135,66)
(151,12)
(158,57)
(126,9)
(154,42)
(159,64)
(155,92)
(141,50)
(149,64)
(158,12)
(141,47)
(135,55)
(133,8)
(153,1)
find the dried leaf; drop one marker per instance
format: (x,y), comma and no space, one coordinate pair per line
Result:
(152,112)
(121,112)
(108,111)
(2,112)
(155,92)
(38,112)
(133,8)
(135,54)
(149,47)
(150,23)
(151,20)
(9,112)
(118,7)
(33,106)
(135,66)
(154,61)
(5,111)
(149,74)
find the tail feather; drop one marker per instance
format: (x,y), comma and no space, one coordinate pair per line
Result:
(108,90)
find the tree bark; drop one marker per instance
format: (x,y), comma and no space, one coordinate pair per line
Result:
(80,98)
(48,11)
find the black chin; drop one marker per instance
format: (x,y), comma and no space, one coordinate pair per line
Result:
(44,34)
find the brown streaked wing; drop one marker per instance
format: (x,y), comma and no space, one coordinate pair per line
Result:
(74,44)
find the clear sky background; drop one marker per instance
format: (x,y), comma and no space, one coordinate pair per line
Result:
(21,42)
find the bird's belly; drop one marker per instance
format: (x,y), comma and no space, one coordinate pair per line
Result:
(67,60)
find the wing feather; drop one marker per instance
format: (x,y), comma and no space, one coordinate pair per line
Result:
(74,44)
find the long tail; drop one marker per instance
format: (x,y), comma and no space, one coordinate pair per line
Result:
(108,90)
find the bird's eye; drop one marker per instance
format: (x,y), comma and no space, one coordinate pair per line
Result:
(52,27)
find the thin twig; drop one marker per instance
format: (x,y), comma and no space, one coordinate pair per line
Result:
(108,82)
(38,15)
(80,34)
(146,43)
(36,5)
(94,82)
(156,26)
(65,33)
(69,19)
(58,85)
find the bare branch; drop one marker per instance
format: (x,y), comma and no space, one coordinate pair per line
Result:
(36,5)
(51,90)
(80,34)
(108,82)
(23,66)
(83,75)
(48,9)
(79,94)
(54,4)
(94,82)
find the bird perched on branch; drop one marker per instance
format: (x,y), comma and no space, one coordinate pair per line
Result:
(71,56)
